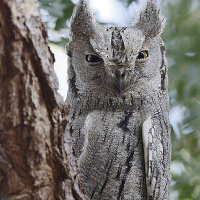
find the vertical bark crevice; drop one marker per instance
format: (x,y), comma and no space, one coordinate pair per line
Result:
(36,160)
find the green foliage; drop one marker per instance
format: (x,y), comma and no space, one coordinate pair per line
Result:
(60,12)
(182,39)
(127,2)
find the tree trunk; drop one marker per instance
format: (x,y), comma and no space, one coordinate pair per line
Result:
(36,161)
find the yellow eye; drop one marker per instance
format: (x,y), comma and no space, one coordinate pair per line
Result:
(92,58)
(143,54)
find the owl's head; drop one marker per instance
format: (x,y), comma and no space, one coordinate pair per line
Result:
(111,60)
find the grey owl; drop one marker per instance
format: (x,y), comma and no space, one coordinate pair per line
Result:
(118,91)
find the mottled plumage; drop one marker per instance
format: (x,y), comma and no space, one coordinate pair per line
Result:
(118,90)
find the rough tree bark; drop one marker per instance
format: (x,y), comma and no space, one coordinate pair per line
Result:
(36,161)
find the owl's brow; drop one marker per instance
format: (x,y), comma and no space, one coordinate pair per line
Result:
(117,45)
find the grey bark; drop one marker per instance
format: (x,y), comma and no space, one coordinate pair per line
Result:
(36,160)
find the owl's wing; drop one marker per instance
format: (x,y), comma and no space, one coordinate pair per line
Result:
(156,143)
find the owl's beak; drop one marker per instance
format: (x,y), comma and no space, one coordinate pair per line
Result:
(119,80)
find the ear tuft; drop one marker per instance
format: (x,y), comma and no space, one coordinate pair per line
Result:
(150,19)
(82,21)
(68,50)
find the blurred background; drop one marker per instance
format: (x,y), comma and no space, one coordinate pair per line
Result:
(182,40)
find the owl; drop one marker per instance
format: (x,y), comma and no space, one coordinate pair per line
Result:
(118,91)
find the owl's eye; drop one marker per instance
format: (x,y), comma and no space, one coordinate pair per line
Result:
(143,54)
(93,58)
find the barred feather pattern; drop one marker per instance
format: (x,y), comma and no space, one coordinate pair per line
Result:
(119,106)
